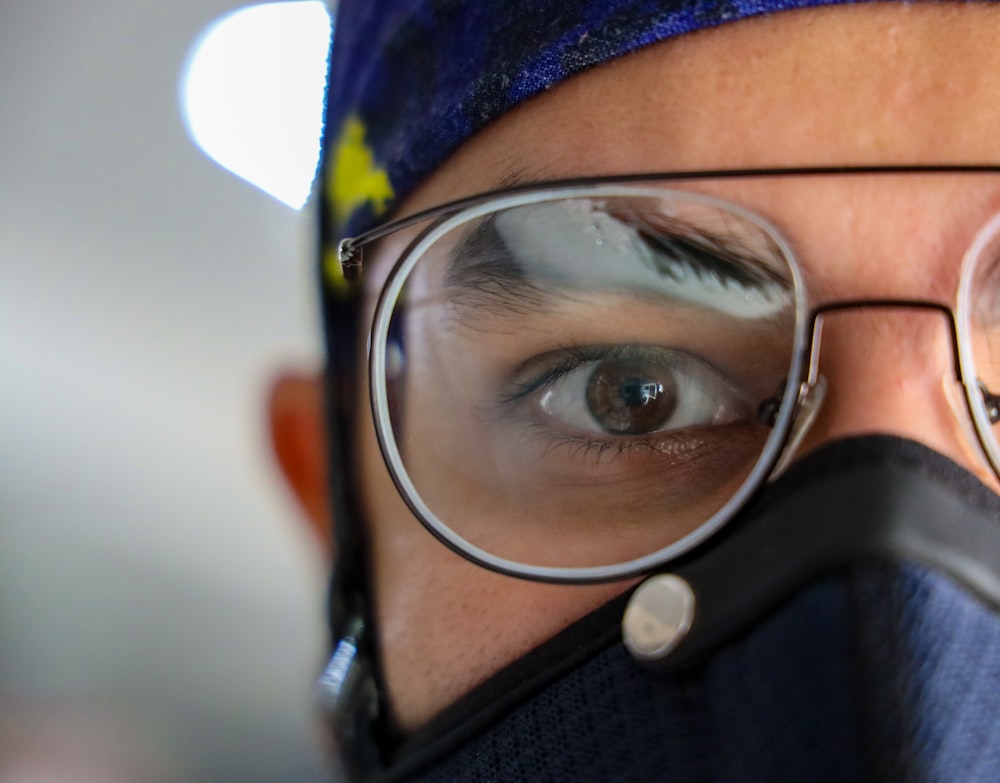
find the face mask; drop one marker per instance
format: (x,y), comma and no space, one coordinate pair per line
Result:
(843,628)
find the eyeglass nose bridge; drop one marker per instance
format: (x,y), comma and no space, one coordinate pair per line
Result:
(819,314)
(812,390)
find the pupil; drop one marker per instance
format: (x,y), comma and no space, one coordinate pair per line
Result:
(639,391)
(625,398)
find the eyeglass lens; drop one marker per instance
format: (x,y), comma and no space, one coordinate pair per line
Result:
(582,381)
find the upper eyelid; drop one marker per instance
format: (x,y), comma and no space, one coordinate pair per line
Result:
(558,362)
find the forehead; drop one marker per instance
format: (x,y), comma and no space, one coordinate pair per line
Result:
(871,84)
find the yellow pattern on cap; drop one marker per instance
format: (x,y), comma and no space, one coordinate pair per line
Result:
(356,179)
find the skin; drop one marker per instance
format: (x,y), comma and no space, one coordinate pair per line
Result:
(860,85)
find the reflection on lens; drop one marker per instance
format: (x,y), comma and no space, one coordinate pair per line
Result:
(582,377)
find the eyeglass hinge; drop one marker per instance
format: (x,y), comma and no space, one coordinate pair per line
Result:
(345,250)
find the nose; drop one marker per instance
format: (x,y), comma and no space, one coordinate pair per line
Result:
(892,370)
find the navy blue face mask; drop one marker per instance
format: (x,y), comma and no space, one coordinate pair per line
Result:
(844,628)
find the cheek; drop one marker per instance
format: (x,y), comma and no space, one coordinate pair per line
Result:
(444,624)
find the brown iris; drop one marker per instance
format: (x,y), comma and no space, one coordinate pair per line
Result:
(626,397)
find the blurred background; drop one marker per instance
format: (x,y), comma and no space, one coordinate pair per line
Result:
(161,603)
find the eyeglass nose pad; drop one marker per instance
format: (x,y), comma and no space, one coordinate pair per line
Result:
(807,406)
(956,394)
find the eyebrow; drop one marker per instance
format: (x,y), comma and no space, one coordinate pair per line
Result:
(483,271)
(711,255)
(516,178)
(517,169)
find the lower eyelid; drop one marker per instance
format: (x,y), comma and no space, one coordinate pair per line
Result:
(637,459)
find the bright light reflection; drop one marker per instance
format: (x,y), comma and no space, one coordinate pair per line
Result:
(252,94)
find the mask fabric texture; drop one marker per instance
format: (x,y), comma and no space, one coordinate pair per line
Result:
(883,670)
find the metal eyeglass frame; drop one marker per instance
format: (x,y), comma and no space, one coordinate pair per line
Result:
(792,416)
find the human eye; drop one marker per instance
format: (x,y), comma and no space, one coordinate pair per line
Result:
(580,380)
(625,396)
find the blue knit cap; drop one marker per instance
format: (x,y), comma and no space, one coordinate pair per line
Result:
(411,80)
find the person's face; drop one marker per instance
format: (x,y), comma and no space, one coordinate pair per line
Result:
(888,84)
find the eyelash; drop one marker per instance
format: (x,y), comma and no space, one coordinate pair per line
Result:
(590,448)
(575,357)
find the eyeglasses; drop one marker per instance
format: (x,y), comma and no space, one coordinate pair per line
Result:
(582,381)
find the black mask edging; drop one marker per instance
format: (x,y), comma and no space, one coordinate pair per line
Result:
(865,498)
